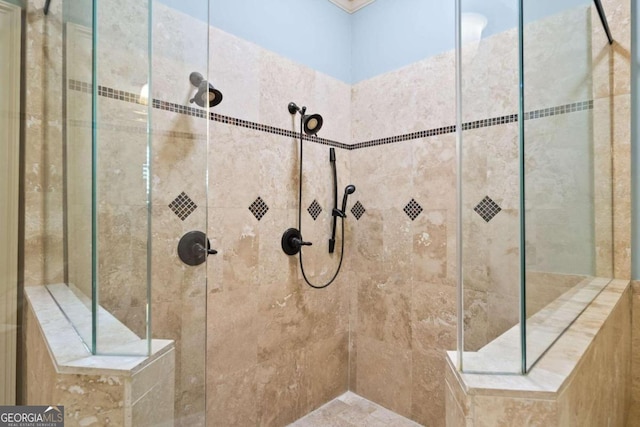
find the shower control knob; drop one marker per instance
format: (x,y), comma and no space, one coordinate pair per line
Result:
(292,241)
(194,247)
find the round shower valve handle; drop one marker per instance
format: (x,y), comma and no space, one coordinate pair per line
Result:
(194,247)
(292,241)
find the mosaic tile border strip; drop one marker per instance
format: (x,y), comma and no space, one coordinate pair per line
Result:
(494,121)
(198,112)
(405,137)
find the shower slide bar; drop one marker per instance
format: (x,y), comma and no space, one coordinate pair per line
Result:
(603,18)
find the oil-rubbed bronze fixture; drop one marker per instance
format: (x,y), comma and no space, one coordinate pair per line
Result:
(292,241)
(311,123)
(206,94)
(194,247)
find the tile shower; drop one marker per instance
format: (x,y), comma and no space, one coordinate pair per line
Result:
(273,348)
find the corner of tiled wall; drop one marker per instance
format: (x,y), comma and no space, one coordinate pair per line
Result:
(43,186)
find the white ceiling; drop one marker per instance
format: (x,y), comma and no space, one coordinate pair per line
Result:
(351,5)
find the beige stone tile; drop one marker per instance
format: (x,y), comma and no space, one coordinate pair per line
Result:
(435,171)
(326,370)
(454,416)
(367,248)
(156,407)
(430,247)
(371,120)
(106,398)
(476,319)
(287,81)
(44,248)
(619,18)
(491,74)
(283,324)
(178,40)
(428,387)
(239,249)
(603,185)
(635,344)
(384,370)
(434,317)
(232,331)
(499,411)
(122,40)
(179,165)
(384,316)
(327,309)
(232,399)
(281,395)
(557,75)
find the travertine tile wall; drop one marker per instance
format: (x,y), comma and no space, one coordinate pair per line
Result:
(612,69)
(275,347)
(403,271)
(43,183)
(398,328)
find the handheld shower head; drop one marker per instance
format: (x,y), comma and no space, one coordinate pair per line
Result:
(206,94)
(349,189)
(311,123)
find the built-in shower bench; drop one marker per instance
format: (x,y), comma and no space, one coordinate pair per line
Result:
(94,389)
(582,379)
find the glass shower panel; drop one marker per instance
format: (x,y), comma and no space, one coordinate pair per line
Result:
(179,170)
(136,172)
(488,61)
(567,198)
(75,296)
(121,183)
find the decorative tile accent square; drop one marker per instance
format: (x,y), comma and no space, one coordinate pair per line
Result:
(314,209)
(183,206)
(258,208)
(413,209)
(358,210)
(487,209)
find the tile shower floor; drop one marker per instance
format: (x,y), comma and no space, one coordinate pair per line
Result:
(351,410)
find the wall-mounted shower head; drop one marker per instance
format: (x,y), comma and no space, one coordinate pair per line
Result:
(349,189)
(206,93)
(311,123)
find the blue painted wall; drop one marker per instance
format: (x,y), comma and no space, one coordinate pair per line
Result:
(390,34)
(315,33)
(386,35)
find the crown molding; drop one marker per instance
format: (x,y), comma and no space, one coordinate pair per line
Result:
(351,6)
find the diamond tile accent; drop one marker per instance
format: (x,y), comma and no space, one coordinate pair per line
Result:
(258,208)
(413,209)
(314,209)
(183,206)
(358,210)
(487,209)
